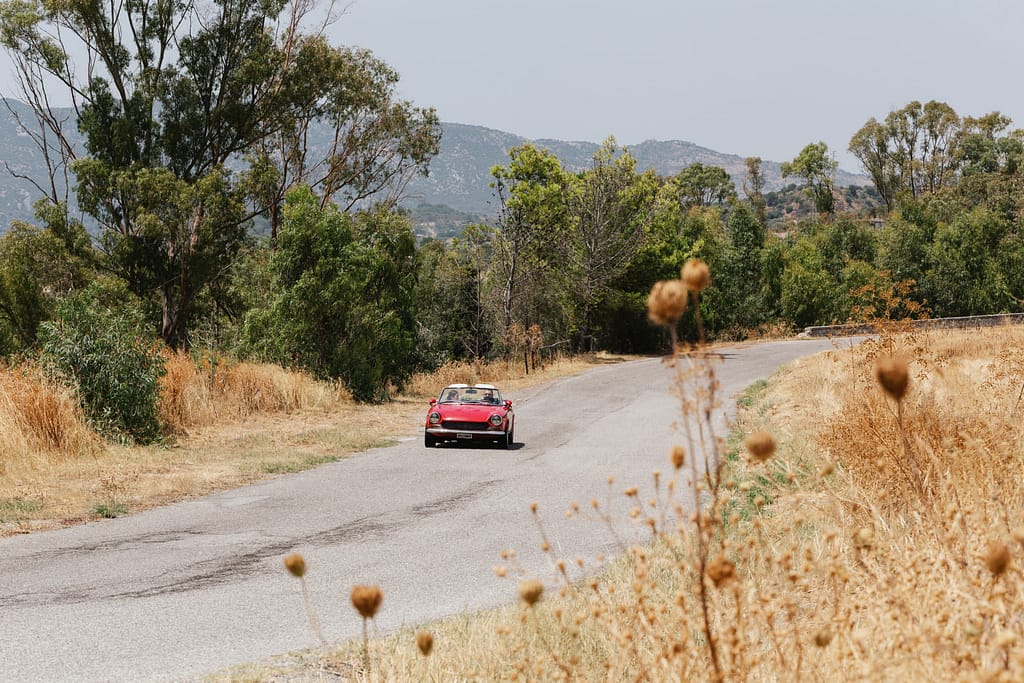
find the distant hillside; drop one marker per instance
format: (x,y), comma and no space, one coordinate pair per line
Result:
(461,173)
(457,191)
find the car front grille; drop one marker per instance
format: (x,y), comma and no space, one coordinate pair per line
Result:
(455,424)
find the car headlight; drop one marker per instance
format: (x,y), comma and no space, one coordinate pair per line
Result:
(434,418)
(495,419)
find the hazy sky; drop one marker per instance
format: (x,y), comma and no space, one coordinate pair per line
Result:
(746,77)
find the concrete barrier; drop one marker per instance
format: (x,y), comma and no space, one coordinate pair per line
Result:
(963,322)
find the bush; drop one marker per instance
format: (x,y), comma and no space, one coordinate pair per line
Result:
(101,351)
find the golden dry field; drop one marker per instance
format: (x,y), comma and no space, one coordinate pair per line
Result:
(865,522)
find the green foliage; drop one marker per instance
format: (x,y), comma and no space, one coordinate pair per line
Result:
(700,185)
(36,266)
(110,510)
(454,320)
(964,275)
(808,289)
(745,290)
(178,91)
(818,169)
(99,347)
(609,208)
(342,297)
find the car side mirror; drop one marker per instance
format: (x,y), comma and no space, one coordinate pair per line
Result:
(433,401)
(508,403)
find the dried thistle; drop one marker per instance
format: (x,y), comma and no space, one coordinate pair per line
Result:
(721,570)
(997,557)
(530,591)
(678,456)
(894,376)
(696,275)
(367,600)
(425,642)
(666,302)
(760,445)
(295,565)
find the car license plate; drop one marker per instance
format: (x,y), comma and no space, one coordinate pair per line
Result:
(463,435)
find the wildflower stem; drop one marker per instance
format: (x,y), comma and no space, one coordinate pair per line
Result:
(313,622)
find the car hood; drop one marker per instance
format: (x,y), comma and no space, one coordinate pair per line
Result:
(469,413)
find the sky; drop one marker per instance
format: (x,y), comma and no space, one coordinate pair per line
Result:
(746,77)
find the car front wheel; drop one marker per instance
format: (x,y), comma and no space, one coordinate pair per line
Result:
(429,441)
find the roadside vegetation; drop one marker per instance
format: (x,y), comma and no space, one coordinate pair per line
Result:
(866,523)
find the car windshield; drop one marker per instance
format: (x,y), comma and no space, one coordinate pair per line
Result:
(486,395)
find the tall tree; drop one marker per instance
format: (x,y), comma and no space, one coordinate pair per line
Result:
(531,193)
(375,142)
(753,187)
(916,149)
(700,185)
(343,296)
(170,92)
(818,169)
(872,147)
(609,209)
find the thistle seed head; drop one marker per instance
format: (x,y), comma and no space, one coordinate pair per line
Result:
(894,376)
(367,600)
(295,565)
(760,445)
(721,570)
(997,557)
(530,591)
(678,456)
(823,637)
(696,275)
(666,302)
(425,642)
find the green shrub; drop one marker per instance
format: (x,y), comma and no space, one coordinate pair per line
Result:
(101,351)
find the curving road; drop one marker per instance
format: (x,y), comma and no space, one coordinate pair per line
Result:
(184,590)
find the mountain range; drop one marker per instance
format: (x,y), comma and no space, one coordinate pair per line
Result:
(460,175)
(456,191)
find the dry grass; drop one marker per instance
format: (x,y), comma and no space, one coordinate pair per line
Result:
(214,392)
(228,424)
(884,541)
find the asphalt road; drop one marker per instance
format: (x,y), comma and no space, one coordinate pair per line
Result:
(188,589)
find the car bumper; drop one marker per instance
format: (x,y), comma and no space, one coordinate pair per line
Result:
(464,434)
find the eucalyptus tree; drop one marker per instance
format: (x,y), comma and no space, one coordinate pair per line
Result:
(170,95)
(818,169)
(753,187)
(342,296)
(914,150)
(453,296)
(531,193)
(372,144)
(700,185)
(609,209)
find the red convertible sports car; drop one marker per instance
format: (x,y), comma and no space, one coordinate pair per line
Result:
(469,413)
